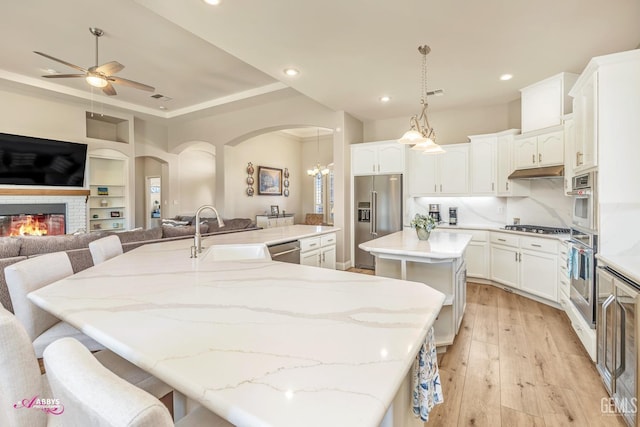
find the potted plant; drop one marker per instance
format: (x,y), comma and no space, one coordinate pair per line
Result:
(423,225)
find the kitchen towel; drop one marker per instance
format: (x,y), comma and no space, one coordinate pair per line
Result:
(574,269)
(427,390)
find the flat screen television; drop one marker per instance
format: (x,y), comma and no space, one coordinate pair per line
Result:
(26,160)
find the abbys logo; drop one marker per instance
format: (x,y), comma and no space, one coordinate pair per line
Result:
(49,406)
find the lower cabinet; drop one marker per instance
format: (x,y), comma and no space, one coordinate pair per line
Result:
(526,263)
(477,254)
(319,251)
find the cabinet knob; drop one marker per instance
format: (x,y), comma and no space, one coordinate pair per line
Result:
(533,159)
(540,157)
(507,185)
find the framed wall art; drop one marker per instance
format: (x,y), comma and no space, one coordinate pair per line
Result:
(269,181)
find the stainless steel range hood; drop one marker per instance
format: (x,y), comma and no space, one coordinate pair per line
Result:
(534,173)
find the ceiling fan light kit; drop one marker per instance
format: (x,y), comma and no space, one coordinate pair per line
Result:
(100,76)
(421,135)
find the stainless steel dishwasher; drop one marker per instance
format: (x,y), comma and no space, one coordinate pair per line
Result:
(286,252)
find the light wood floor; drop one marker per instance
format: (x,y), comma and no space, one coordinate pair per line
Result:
(517,362)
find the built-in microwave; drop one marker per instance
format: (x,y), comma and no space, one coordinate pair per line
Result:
(585,204)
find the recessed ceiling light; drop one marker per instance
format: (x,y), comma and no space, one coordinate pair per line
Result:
(291,72)
(385,98)
(212,2)
(162,107)
(506,77)
(50,71)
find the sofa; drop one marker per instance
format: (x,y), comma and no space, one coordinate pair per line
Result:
(18,248)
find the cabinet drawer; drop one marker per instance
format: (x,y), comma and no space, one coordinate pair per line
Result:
(537,244)
(505,239)
(309,244)
(328,239)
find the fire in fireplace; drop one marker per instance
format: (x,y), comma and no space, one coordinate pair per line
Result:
(32,219)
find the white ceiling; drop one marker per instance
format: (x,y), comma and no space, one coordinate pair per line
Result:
(349,52)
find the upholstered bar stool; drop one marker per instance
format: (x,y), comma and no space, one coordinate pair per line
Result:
(94,396)
(105,249)
(20,376)
(32,274)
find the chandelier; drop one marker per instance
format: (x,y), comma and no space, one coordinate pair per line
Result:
(421,135)
(318,169)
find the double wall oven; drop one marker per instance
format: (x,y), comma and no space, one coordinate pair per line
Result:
(583,246)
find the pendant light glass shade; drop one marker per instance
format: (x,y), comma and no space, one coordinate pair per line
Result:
(421,135)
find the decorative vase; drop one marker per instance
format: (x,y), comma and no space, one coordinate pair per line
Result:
(423,234)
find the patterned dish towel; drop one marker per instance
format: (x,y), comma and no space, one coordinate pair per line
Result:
(427,391)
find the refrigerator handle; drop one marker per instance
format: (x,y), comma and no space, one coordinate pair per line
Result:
(374,213)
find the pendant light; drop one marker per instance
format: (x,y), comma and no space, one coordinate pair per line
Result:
(421,135)
(317,169)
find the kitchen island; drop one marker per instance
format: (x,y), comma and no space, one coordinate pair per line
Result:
(437,262)
(258,342)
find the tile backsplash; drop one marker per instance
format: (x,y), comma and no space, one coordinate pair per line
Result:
(546,205)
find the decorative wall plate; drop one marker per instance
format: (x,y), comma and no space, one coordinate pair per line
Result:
(286,192)
(286,173)
(250,191)
(250,169)
(250,180)
(286,183)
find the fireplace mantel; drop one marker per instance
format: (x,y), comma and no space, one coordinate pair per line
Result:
(41,192)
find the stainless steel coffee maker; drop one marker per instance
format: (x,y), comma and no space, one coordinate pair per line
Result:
(434,212)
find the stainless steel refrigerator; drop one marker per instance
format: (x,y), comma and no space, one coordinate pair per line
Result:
(378,211)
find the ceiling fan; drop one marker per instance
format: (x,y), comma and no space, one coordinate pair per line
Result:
(98,76)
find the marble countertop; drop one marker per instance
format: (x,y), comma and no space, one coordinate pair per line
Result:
(441,245)
(270,236)
(261,343)
(627,265)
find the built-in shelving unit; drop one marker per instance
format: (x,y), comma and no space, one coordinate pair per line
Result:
(108,199)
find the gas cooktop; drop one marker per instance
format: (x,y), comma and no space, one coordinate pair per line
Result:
(540,229)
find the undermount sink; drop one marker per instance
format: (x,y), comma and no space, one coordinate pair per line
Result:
(235,252)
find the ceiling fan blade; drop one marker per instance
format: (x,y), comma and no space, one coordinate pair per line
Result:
(68,64)
(109,68)
(62,76)
(109,90)
(130,83)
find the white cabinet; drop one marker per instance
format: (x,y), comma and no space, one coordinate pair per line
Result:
(526,263)
(491,164)
(505,186)
(319,251)
(440,174)
(477,253)
(532,151)
(563,275)
(372,158)
(544,103)
(504,259)
(585,104)
(569,150)
(483,162)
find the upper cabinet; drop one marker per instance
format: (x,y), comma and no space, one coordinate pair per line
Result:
(546,102)
(440,174)
(491,163)
(483,163)
(542,149)
(585,100)
(373,158)
(569,153)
